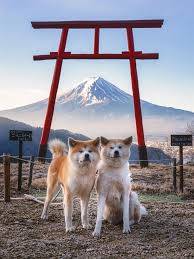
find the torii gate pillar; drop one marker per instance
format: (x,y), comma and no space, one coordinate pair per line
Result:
(136,100)
(130,55)
(52,96)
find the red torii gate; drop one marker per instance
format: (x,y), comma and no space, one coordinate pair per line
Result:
(131,55)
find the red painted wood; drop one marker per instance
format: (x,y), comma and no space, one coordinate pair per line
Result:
(54,88)
(126,55)
(135,89)
(131,55)
(148,56)
(101,24)
(96,40)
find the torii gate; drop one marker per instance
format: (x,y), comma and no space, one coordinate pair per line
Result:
(131,55)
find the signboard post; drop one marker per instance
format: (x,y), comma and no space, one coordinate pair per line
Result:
(20,154)
(20,136)
(181,168)
(181,140)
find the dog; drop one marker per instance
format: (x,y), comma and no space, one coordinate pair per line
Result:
(116,202)
(136,209)
(75,172)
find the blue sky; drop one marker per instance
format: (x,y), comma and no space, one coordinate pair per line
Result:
(168,81)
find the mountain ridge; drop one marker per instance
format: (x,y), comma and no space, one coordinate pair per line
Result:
(88,83)
(97,100)
(31,148)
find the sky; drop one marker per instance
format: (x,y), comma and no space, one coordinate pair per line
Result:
(168,81)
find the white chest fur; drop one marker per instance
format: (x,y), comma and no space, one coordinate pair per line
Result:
(109,176)
(81,182)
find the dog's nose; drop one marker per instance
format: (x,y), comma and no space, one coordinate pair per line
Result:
(87,156)
(116,153)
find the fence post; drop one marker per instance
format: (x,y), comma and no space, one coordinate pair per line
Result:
(6,162)
(174,174)
(181,168)
(20,166)
(31,171)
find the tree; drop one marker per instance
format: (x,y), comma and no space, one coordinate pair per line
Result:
(190,128)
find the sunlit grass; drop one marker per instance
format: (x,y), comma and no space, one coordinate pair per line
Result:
(143,197)
(160,198)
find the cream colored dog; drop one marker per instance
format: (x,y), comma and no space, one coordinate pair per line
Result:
(75,172)
(116,201)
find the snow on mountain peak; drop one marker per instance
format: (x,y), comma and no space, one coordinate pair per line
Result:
(94,90)
(90,80)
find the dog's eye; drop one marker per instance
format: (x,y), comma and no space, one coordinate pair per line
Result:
(90,151)
(81,151)
(111,147)
(119,147)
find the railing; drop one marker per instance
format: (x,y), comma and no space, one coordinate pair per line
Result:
(32,160)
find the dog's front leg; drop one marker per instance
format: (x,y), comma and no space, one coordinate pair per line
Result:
(68,207)
(126,226)
(84,212)
(100,211)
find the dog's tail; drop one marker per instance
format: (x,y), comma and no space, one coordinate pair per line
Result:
(136,202)
(57,148)
(143,210)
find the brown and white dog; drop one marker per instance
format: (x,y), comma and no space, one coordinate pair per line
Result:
(116,201)
(75,172)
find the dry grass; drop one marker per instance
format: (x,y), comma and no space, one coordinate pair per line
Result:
(189,168)
(39,183)
(156,179)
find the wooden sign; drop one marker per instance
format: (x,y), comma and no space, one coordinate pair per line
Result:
(22,135)
(181,140)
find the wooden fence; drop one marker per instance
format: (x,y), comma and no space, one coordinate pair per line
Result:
(7,160)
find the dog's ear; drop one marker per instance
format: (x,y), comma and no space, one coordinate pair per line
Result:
(96,142)
(128,141)
(103,141)
(71,142)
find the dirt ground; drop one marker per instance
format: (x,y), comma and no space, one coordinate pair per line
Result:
(167,231)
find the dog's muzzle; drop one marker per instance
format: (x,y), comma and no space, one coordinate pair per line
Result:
(116,153)
(87,158)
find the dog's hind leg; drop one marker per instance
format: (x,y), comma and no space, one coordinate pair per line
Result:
(135,209)
(52,185)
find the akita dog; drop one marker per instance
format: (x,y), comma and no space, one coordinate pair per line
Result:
(116,201)
(75,172)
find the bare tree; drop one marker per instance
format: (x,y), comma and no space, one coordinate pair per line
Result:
(190,128)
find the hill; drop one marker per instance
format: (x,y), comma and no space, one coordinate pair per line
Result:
(31,148)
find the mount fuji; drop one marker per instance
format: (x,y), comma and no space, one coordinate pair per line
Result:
(98,104)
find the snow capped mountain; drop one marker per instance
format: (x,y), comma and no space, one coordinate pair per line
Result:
(98,104)
(92,91)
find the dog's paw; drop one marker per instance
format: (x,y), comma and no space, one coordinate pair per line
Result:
(87,226)
(96,234)
(126,230)
(131,222)
(44,216)
(70,229)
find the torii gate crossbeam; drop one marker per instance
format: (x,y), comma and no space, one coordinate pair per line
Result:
(130,55)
